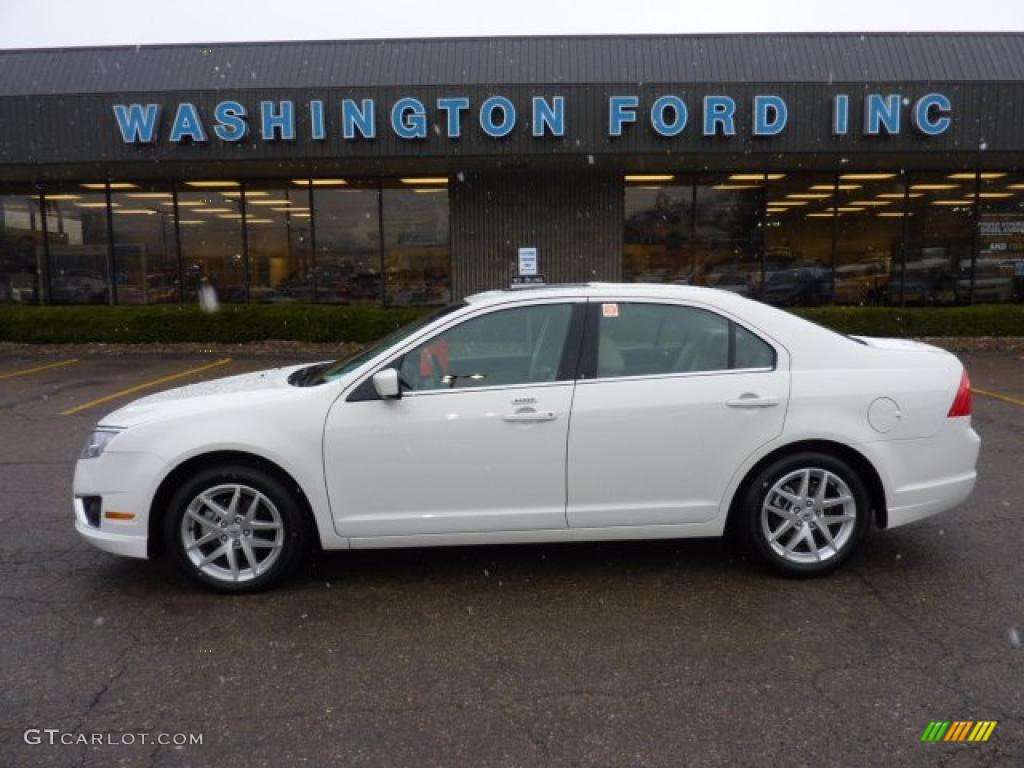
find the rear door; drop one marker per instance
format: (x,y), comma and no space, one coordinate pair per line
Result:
(671,399)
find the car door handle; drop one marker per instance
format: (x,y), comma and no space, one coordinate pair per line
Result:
(530,414)
(752,401)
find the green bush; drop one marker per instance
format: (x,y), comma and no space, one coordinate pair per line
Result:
(361,324)
(186,323)
(979,320)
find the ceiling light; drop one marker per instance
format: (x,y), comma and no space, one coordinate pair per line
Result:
(319,182)
(867,176)
(899,195)
(934,186)
(187,203)
(641,177)
(952,202)
(212,183)
(63,197)
(191,221)
(300,215)
(214,210)
(893,214)
(270,202)
(259,221)
(829,187)
(229,215)
(776,210)
(818,215)
(428,191)
(113,185)
(757,176)
(845,209)
(135,212)
(871,202)
(729,187)
(426,180)
(809,195)
(1015,186)
(148,195)
(96,205)
(289,210)
(787,202)
(995,194)
(983,175)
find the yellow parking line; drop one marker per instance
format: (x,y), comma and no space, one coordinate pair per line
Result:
(144,385)
(998,396)
(38,368)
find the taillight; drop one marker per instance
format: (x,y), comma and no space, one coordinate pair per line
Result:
(962,402)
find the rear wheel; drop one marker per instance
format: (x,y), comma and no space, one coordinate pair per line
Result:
(806,514)
(235,529)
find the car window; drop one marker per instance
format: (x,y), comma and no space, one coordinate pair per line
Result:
(752,352)
(522,345)
(643,339)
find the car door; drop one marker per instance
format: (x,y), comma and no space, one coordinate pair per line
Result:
(476,443)
(671,399)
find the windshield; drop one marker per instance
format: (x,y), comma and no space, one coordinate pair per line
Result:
(341,367)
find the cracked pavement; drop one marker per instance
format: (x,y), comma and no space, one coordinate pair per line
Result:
(612,654)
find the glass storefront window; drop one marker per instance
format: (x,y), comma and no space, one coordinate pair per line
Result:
(417,260)
(76,218)
(727,241)
(21,246)
(348,257)
(940,227)
(869,236)
(278,231)
(798,239)
(210,223)
(658,230)
(999,267)
(145,255)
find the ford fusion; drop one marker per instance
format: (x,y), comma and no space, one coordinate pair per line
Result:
(559,413)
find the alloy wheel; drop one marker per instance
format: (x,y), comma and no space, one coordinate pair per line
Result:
(808,516)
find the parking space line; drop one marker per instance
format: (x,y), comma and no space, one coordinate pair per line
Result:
(144,385)
(997,396)
(38,368)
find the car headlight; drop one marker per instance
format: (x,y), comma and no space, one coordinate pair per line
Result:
(96,443)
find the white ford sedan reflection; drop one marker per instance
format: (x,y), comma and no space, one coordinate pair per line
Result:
(563,413)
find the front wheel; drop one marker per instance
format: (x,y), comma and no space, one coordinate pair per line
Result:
(235,529)
(806,514)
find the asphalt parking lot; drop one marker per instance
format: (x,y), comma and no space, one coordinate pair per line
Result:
(638,654)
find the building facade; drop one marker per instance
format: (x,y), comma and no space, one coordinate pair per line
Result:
(798,169)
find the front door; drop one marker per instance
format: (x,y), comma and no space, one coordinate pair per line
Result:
(676,398)
(476,443)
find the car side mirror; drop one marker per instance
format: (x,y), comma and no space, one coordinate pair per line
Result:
(387,384)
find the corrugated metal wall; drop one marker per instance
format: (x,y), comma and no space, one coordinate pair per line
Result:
(574,220)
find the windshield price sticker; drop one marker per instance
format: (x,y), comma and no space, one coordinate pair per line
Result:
(609,310)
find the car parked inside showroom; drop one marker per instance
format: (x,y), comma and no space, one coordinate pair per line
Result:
(558,413)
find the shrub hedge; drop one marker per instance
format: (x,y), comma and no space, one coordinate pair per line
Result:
(361,324)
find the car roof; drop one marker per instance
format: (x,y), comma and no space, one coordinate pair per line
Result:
(598,289)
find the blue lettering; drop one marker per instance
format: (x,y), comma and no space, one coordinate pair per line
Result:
(508,116)
(317,126)
(882,112)
(770,115)
(674,106)
(621,110)
(231,124)
(841,114)
(453,108)
(548,117)
(137,122)
(358,117)
(409,118)
(922,119)
(274,123)
(187,124)
(719,111)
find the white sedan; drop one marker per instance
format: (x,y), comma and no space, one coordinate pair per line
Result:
(561,413)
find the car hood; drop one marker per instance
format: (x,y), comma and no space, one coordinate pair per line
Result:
(245,389)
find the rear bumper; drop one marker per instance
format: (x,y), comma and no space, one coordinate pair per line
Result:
(923,477)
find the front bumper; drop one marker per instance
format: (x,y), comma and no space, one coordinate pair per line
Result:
(125,483)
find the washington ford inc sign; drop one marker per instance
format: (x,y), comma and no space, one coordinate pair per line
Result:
(497,116)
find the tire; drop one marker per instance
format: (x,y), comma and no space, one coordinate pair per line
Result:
(794,529)
(243,549)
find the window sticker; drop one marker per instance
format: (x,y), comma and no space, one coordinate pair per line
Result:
(609,310)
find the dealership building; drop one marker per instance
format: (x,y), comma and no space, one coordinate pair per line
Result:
(799,169)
